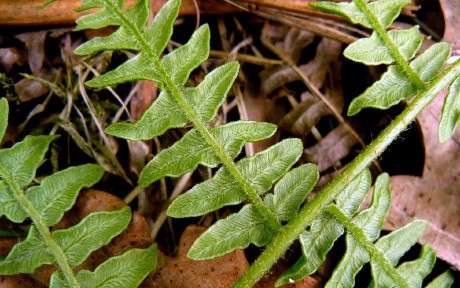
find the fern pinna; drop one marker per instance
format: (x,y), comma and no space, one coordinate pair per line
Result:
(278,218)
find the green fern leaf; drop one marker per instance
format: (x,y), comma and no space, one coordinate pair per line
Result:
(157,36)
(93,232)
(132,70)
(181,61)
(262,170)
(10,207)
(445,280)
(178,159)
(395,86)
(27,255)
(57,193)
(372,51)
(23,159)
(322,233)
(292,190)
(159,32)
(393,246)
(386,11)
(236,231)
(178,64)
(127,271)
(415,271)
(210,94)
(122,38)
(450,112)
(371,221)
(164,113)
(98,19)
(3,117)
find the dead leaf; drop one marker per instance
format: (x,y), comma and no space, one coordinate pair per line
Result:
(331,149)
(35,45)
(10,56)
(451,11)
(183,272)
(327,53)
(30,89)
(309,112)
(434,196)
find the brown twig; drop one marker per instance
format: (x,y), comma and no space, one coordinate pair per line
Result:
(62,12)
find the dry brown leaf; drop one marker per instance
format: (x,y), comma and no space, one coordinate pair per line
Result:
(435,196)
(35,46)
(451,12)
(327,53)
(35,49)
(331,149)
(30,89)
(10,56)
(221,272)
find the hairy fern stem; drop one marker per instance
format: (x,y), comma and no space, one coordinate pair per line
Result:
(360,236)
(34,215)
(226,159)
(383,35)
(288,233)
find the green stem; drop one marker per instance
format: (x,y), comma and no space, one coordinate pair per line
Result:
(33,213)
(383,35)
(193,116)
(361,237)
(288,233)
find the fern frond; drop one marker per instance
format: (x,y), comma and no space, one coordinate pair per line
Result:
(372,50)
(165,114)
(319,238)
(177,160)
(45,204)
(261,170)
(364,229)
(332,211)
(226,235)
(395,86)
(171,73)
(77,242)
(126,270)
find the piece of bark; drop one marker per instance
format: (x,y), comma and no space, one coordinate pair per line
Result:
(62,12)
